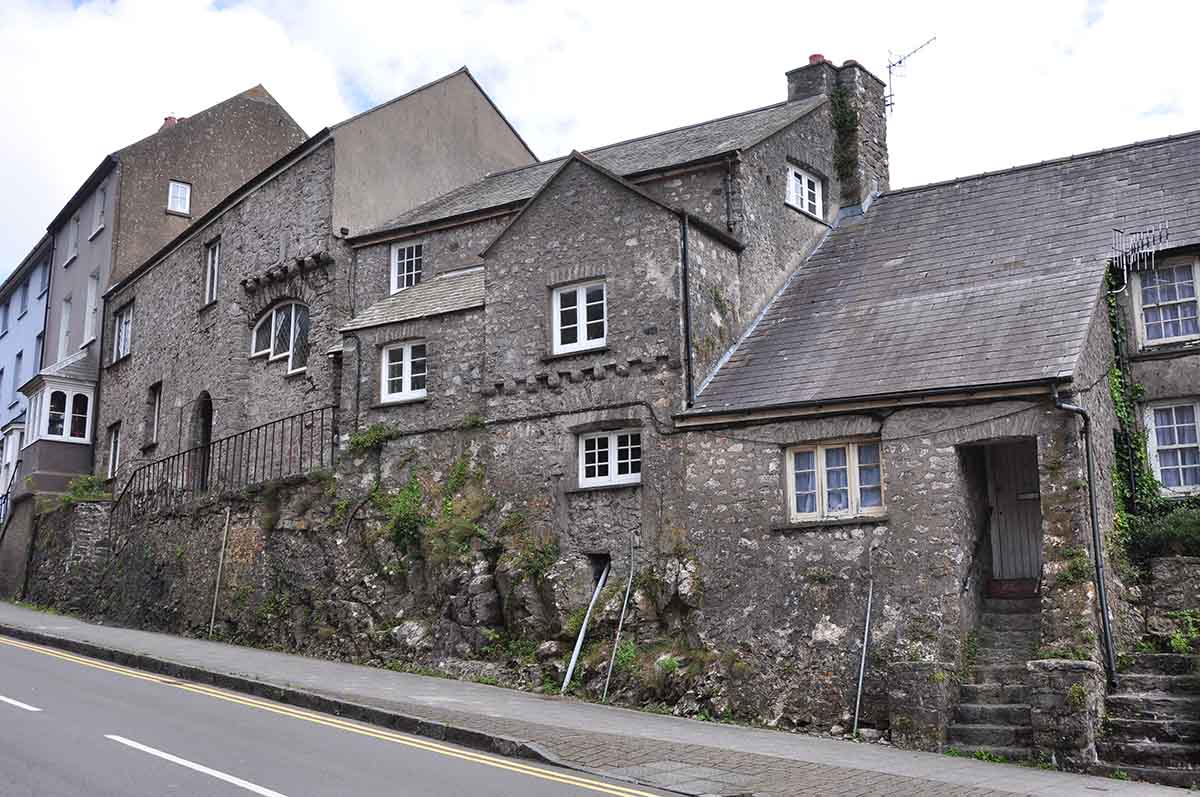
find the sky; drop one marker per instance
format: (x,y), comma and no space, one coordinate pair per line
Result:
(1002,84)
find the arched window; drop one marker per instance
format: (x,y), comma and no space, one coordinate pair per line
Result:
(79,416)
(283,332)
(58,413)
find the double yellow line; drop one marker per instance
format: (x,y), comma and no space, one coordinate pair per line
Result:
(417,743)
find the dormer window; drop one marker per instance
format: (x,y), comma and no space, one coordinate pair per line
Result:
(407,266)
(804,192)
(1167,303)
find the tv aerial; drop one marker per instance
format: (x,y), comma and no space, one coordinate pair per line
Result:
(894,64)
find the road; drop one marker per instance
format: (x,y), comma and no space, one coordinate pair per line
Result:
(70,725)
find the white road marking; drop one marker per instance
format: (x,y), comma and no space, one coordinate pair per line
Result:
(183,762)
(18,704)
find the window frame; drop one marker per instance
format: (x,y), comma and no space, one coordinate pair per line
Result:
(38,413)
(801,203)
(187,197)
(581,343)
(72,240)
(1139,316)
(854,508)
(397,283)
(114,449)
(99,208)
(1152,442)
(406,393)
(212,271)
(613,479)
(122,332)
(268,317)
(92,309)
(156,392)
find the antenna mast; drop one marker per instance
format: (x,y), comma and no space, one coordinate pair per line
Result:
(889,99)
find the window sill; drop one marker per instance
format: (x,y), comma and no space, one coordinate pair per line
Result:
(840,522)
(96,232)
(1161,351)
(22,314)
(89,342)
(576,353)
(398,402)
(596,488)
(296,374)
(149,447)
(170,212)
(3,332)
(13,403)
(70,260)
(43,291)
(806,214)
(118,361)
(204,308)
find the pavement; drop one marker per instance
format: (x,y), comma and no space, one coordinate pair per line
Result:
(613,745)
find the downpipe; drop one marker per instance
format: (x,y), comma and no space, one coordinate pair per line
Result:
(862,663)
(1110,658)
(620,623)
(583,629)
(212,620)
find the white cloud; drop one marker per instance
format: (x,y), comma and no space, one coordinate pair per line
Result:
(1002,85)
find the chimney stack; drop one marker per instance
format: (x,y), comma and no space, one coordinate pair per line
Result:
(859,121)
(168,121)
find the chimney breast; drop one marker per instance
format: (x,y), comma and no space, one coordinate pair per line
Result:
(816,58)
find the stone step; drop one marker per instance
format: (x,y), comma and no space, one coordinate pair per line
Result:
(1007,753)
(988,637)
(987,735)
(1183,778)
(1172,755)
(1164,664)
(993,713)
(1015,674)
(1012,605)
(1123,729)
(1157,682)
(994,694)
(1009,622)
(1153,706)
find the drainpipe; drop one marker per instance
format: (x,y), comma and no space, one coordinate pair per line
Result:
(357,375)
(1110,659)
(687,308)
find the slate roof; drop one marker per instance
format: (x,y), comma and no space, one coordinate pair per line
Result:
(649,153)
(981,281)
(446,293)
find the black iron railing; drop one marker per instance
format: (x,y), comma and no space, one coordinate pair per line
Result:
(6,499)
(290,446)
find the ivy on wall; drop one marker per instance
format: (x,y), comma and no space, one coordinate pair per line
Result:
(845,144)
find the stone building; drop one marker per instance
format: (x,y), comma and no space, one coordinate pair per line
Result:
(233,320)
(135,200)
(728,348)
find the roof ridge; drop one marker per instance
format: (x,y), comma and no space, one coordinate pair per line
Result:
(1040,164)
(593,150)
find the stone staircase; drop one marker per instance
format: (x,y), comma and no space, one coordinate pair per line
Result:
(1152,729)
(993,710)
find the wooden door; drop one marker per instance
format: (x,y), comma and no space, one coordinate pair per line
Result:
(1016,511)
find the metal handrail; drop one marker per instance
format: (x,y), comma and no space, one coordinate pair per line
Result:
(289,446)
(6,500)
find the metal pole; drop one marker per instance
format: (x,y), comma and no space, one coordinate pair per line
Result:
(862,664)
(583,629)
(620,623)
(212,620)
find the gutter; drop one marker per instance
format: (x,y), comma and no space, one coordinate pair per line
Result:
(1110,658)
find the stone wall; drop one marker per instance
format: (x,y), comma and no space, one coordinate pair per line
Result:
(192,348)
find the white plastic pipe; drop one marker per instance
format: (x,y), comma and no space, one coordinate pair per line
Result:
(583,629)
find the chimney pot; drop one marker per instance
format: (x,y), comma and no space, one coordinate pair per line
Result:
(168,121)
(816,58)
